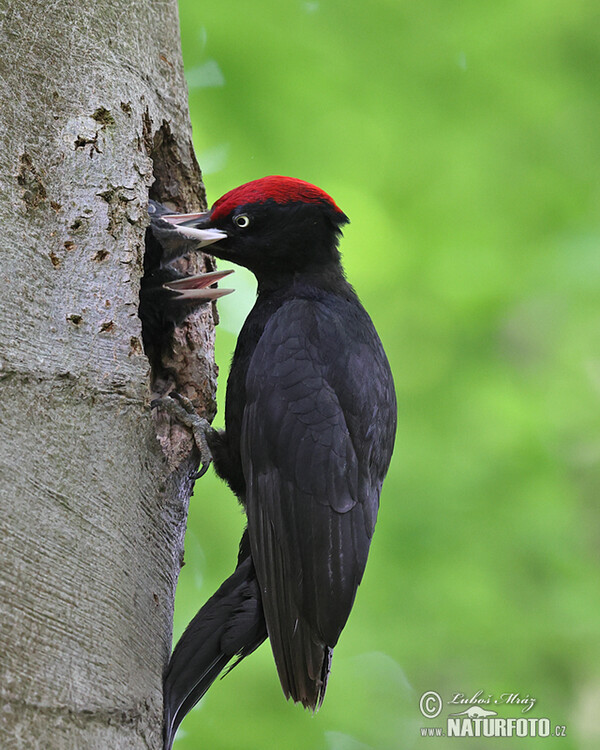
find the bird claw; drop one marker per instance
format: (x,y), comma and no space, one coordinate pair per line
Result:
(182,409)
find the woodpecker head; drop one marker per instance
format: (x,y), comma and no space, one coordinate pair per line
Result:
(272,225)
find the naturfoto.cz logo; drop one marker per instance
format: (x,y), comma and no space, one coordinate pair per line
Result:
(474,716)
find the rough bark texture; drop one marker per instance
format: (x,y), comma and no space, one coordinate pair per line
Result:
(93,506)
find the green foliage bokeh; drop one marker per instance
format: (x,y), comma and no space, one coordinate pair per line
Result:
(462,139)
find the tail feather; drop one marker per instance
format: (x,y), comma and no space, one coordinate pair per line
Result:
(230,624)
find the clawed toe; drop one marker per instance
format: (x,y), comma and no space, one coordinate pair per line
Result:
(182,409)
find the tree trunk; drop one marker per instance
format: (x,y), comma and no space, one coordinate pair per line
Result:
(93,505)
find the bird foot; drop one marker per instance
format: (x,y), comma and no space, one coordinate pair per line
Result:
(182,409)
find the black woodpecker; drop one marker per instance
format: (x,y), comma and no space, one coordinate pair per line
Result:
(310,421)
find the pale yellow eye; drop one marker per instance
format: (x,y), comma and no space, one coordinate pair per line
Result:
(242,221)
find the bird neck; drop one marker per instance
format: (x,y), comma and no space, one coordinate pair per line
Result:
(328,278)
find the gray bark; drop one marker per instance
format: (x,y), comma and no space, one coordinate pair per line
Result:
(92,504)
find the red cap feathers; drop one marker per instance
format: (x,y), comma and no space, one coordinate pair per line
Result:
(276,188)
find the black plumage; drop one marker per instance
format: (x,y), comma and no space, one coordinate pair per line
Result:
(230,624)
(310,421)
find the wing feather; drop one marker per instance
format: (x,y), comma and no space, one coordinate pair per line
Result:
(313,466)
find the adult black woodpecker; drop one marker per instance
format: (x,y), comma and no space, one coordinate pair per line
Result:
(310,421)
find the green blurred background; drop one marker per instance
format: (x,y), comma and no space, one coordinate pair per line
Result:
(462,139)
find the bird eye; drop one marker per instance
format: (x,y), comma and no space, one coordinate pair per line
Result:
(242,221)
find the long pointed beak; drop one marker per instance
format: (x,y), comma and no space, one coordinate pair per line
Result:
(203,216)
(203,237)
(183,226)
(199,287)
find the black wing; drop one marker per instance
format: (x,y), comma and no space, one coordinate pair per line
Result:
(317,437)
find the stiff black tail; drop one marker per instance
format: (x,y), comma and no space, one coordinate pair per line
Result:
(230,624)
